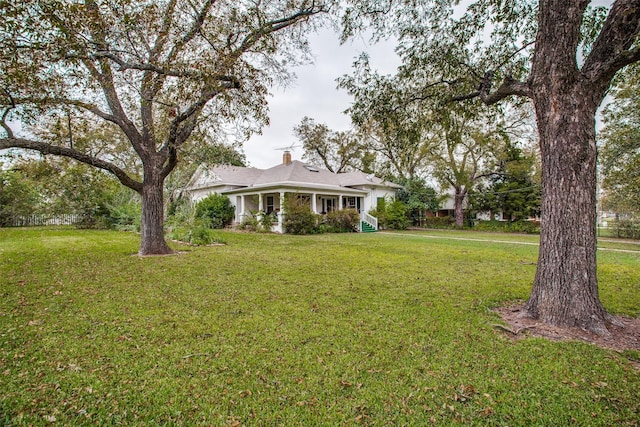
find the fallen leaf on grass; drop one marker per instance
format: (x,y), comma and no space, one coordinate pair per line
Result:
(488,411)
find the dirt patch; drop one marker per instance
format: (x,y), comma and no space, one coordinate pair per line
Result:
(624,331)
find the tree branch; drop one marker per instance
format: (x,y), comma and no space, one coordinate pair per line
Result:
(6,112)
(275,25)
(45,148)
(193,31)
(611,51)
(141,66)
(105,77)
(508,87)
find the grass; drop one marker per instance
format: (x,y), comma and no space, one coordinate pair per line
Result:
(373,329)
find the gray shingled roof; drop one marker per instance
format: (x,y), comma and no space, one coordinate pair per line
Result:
(295,172)
(224,175)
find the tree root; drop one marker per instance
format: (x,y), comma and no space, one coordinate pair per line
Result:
(511,331)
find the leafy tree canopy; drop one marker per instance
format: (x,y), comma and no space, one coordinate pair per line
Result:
(334,150)
(620,146)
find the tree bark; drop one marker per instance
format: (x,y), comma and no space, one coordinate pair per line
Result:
(152,227)
(565,289)
(458,203)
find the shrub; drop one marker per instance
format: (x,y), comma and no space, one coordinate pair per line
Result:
(184,226)
(439,222)
(257,221)
(397,215)
(391,214)
(380,213)
(529,227)
(94,217)
(249,222)
(298,218)
(125,211)
(196,231)
(342,221)
(216,209)
(627,228)
(266,222)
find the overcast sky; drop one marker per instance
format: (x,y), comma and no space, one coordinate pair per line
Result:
(314,94)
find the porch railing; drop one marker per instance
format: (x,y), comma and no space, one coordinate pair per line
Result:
(372,220)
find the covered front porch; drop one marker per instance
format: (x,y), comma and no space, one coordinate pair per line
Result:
(272,202)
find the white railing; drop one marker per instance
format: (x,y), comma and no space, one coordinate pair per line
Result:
(372,220)
(41,219)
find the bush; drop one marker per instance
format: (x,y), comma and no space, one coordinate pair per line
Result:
(397,215)
(257,221)
(628,229)
(266,222)
(184,226)
(94,217)
(393,215)
(298,218)
(439,222)
(196,231)
(249,222)
(342,221)
(125,211)
(216,209)
(380,213)
(529,227)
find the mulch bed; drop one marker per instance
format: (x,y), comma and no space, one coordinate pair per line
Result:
(624,336)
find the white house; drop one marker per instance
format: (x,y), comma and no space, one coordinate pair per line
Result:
(263,190)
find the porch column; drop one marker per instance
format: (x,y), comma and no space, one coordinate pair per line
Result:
(241,208)
(340,202)
(314,207)
(280,227)
(260,202)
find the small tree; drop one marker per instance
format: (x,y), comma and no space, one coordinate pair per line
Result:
(419,198)
(513,189)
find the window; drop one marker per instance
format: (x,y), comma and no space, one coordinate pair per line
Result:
(350,203)
(270,205)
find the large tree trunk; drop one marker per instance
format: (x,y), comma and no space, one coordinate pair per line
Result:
(152,229)
(565,290)
(458,203)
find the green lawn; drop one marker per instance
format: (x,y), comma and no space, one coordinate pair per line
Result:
(373,329)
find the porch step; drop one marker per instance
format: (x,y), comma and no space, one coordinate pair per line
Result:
(366,227)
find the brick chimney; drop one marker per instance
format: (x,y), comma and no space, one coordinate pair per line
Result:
(286,158)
